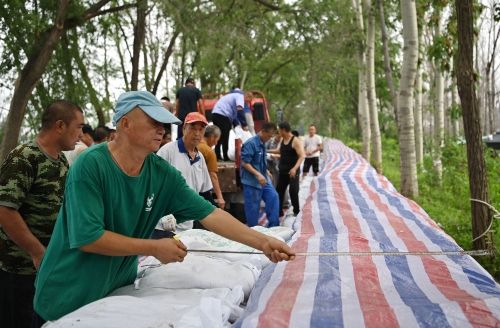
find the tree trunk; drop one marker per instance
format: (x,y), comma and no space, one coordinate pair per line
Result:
(363,113)
(466,88)
(417,109)
(438,124)
(139,34)
(116,38)
(372,96)
(409,182)
(29,77)
(94,100)
(438,127)
(166,57)
(455,105)
(387,60)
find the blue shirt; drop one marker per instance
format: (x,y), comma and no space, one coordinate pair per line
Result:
(253,152)
(227,105)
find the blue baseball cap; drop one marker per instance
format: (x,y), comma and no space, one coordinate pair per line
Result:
(147,102)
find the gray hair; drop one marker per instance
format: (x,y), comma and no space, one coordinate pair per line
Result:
(212,130)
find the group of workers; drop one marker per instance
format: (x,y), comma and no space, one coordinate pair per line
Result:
(69,237)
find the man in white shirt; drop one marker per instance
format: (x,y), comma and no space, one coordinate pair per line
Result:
(86,140)
(183,154)
(313,144)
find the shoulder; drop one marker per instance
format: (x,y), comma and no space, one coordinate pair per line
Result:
(25,155)
(168,149)
(91,158)
(158,163)
(252,142)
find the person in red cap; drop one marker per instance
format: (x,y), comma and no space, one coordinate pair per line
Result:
(184,155)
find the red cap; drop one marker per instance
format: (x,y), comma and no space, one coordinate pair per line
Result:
(194,117)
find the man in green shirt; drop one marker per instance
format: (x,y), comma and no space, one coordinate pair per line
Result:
(31,190)
(115,194)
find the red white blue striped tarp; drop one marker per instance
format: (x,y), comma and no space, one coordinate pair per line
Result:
(352,208)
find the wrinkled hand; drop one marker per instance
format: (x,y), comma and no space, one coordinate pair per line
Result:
(277,251)
(170,250)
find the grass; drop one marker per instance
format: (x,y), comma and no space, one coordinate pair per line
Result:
(449,203)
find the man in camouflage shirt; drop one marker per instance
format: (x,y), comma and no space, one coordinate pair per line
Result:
(32,181)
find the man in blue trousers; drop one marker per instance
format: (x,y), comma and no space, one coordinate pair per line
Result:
(256,180)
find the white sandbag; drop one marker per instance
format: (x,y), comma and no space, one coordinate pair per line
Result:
(116,312)
(157,307)
(201,272)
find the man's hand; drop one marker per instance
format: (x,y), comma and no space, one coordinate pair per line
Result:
(262,179)
(170,250)
(293,172)
(277,251)
(220,202)
(37,258)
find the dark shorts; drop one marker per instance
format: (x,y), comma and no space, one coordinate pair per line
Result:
(314,161)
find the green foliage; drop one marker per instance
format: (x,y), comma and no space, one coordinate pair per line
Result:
(441,51)
(449,205)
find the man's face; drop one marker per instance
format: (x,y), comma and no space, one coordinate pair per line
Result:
(282,133)
(248,98)
(143,131)
(72,132)
(87,139)
(312,131)
(265,136)
(212,140)
(193,133)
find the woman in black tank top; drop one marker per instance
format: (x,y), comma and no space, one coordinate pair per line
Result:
(290,158)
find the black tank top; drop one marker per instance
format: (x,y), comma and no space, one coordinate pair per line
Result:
(288,156)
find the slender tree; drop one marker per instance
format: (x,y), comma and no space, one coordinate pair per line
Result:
(387,59)
(371,93)
(472,128)
(439,86)
(409,183)
(363,112)
(139,35)
(417,108)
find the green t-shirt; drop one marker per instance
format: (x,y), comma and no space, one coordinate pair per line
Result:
(99,196)
(32,183)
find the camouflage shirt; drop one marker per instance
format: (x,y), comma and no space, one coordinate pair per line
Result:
(32,183)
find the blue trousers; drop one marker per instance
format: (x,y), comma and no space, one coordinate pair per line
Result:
(253,196)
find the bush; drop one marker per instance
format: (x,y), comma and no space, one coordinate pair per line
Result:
(449,204)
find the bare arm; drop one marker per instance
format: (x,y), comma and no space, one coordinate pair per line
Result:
(275,151)
(18,231)
(227,226)
(217,190)
(112,244)
(199,105)
(299,149)
(177,106)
